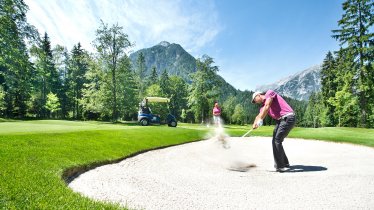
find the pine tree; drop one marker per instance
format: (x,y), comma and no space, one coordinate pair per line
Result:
(78,67)
(15,69)
(140,72)
(329,86)
(165,84)
(47,78)
(61,60)
(371,99)
(355,34)
(153,77)
(52,80)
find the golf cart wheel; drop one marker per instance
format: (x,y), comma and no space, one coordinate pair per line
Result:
(144,122)
(173,124)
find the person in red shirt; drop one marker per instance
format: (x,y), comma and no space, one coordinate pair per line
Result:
(220,135)
(216,114)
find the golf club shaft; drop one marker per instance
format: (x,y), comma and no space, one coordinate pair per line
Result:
(247,132)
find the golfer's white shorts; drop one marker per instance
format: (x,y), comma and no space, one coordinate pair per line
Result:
(216,119)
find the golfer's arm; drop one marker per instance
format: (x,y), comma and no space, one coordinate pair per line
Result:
(265,110)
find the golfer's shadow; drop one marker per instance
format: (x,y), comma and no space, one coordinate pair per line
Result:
(303,168)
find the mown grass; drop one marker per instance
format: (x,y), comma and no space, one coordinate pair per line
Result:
(56,126)
(34,154)
(361,136)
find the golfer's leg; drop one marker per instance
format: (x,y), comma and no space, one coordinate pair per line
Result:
(284,129)
(275,151)
(291,121)
(278,151)
(285,159)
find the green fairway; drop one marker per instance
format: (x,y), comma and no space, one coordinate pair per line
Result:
(55,126)
(34,154)
(361,136)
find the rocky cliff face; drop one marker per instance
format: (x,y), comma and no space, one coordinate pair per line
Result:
(298,86)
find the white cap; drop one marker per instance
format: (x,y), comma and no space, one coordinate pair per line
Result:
(254,96)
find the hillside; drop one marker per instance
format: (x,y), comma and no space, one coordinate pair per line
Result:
(171,57)
(176,61)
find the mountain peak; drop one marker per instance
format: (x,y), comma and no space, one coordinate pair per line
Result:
(298,86)
(164,43)
(171,57)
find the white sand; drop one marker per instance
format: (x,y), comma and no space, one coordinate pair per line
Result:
(196,176)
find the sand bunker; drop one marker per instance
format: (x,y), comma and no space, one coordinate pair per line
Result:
(202,175)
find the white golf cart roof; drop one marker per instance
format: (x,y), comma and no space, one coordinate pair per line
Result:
(157,99)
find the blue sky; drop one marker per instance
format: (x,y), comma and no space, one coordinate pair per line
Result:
(253,42)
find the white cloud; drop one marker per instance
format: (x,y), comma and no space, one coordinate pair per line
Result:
(191,24)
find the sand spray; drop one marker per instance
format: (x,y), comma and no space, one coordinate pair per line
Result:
(220,151)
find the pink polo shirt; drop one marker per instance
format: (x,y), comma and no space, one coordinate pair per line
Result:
(279,106)
(216,111)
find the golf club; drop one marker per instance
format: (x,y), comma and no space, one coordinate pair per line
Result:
(259,123)
(247,132)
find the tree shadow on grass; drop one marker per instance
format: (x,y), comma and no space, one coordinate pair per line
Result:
(303,168)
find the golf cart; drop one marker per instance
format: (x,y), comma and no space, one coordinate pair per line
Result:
(146,117)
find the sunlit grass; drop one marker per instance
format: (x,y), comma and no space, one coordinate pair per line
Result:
(34,154)
(361,136)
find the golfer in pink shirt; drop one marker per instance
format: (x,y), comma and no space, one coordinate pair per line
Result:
(277,108)
(216,114)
